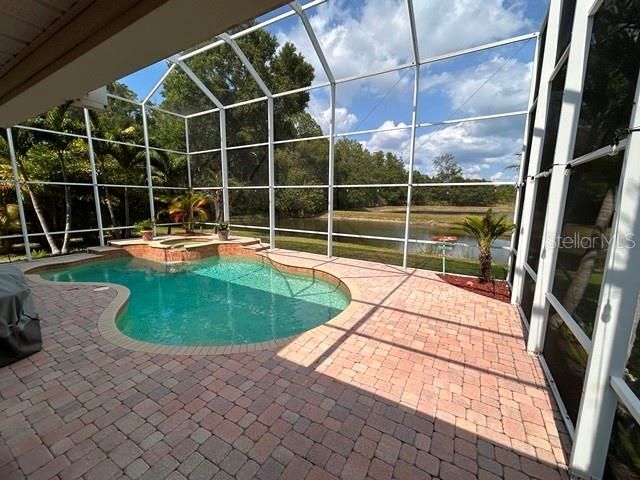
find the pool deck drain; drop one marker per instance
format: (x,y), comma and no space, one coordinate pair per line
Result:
(421,380)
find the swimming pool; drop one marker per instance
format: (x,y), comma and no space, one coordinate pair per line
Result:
(216,301)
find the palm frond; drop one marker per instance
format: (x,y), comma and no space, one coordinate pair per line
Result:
(486,230)
(180,208)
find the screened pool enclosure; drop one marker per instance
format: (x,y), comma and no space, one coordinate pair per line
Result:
(286,135)
(367,131)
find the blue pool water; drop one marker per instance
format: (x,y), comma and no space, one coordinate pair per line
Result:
(217,301)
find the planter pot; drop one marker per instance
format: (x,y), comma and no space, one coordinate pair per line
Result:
(147,236)
(223,235)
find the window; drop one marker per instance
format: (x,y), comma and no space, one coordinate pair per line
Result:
(523,191)
(537,226)
(611,77)
(525,170)
(553,119)
(567,361)
(632,376)
(542,42)
(566,25)
(623,460)
(583,242)
(527,296)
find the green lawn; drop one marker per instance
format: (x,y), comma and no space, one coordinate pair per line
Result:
(437,215)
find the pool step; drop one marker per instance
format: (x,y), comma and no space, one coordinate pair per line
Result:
(99,250)
(107,251)
(257,247)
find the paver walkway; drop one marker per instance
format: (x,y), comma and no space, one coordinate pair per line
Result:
(423,380)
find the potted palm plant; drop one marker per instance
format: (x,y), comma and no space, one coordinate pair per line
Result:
(145,228)
(223,230)
(186,208)
(486,230)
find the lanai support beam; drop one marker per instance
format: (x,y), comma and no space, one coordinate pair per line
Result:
(94,176)
(535,152)
(270,131)
(223,134)
(414,120)
(332,122)
(17,184)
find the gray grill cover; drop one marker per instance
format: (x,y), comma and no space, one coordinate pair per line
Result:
(19,322)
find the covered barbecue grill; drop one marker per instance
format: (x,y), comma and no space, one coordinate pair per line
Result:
(19,322)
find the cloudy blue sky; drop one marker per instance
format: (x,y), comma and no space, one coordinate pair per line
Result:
(371,35)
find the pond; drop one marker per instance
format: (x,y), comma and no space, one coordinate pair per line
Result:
(421,231)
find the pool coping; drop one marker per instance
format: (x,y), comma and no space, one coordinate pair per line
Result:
(107,319)
(158,241)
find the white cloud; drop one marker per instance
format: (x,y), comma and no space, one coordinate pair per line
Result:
(376,35)
(474,171)
(482,149)
(457,24)
(321,113)
(373,37)
(394,141)
(344,119)
(496,86)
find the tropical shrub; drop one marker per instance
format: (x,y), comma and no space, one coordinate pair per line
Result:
(186,208)
(144,225)
(486,230)
(222,226)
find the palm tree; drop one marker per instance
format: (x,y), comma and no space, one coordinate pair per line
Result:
(217,199)
(121,124)
(131,160)
(58,119)
(486,230)
(23,141)
(187,207)
(102,152)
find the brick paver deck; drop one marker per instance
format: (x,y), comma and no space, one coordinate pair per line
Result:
(423,380)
